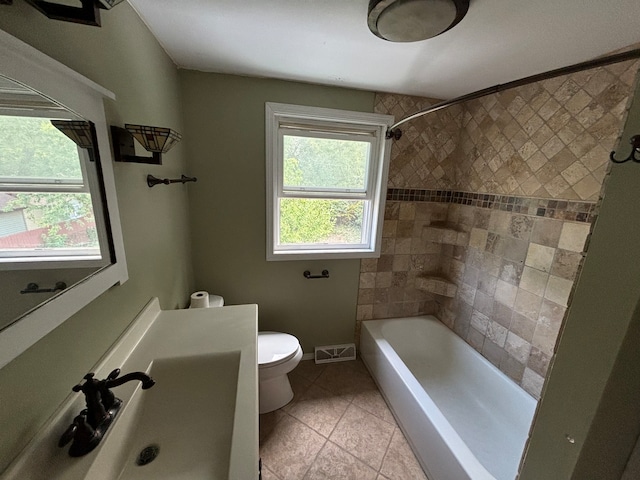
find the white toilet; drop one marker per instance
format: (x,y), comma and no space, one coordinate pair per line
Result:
(278,354)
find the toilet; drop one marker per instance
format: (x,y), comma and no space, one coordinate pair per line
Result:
(278,354)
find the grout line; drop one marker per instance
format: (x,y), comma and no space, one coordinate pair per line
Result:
(271,472)
(357,458)
(316,455)
(386,452)
(349,400)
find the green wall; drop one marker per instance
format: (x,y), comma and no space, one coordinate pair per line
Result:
(123,57)
(225,137)
(592,392)
(224,144)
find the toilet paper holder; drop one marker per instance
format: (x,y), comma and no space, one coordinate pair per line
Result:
(323,274)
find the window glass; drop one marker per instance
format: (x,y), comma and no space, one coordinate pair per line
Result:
(309,221)
(45,221)
(46,210)
(32,147)
(325,162)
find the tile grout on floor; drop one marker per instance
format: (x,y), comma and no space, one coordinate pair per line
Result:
(337,426)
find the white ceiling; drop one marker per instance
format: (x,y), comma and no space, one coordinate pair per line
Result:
(328,41)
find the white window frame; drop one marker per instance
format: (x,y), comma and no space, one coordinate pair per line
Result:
(318,122)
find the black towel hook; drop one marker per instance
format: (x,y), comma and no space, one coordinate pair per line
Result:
(635,151)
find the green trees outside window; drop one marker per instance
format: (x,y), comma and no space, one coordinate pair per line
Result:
(329,165)
(32,150)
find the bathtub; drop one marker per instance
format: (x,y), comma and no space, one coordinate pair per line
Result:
(464,419)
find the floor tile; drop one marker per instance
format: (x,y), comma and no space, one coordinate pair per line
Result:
(319,409)
(400,462)
(268,474)
(357,366)
(291,449)
(339,402)
(299,385)
(334,463)
(372,402)
(344,380)
(268,422)
(363,435)
(309,370)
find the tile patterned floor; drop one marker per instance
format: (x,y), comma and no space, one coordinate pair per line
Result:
(337,427)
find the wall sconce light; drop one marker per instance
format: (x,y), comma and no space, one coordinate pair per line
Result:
(157,140)
(87,14)
(81,132)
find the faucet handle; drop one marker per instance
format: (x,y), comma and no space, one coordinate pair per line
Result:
(89,377)
(79,429)
(81,387)
(68,435)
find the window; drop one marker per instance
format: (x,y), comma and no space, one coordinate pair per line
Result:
(46,209)
(326,172)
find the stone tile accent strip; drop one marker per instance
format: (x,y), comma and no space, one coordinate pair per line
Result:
(573,211)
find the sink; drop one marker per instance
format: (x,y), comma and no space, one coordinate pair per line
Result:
(199,420)
(187,417)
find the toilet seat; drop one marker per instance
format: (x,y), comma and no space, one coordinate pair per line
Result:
(275,348)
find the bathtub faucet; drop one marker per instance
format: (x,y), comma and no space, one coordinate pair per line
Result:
(91,424)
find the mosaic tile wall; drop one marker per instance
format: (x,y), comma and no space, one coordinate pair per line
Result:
(519,172)
(424,155)
(549,139)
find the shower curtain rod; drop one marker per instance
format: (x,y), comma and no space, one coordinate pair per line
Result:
(395,133)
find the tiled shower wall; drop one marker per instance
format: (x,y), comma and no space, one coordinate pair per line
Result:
(514,280)
(518,171)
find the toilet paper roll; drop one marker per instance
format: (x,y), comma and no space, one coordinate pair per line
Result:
(200,299)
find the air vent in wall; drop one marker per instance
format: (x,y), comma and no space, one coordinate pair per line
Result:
(335,353)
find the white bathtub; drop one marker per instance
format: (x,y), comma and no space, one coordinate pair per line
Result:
(464,419)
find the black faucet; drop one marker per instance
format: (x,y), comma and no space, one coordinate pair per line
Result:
(91,424)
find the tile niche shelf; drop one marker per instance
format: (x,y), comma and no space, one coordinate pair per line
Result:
(443,234)
(437,285)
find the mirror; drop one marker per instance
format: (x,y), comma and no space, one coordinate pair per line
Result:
(52,229)
(60,237)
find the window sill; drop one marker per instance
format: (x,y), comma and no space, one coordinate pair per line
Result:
(284,255)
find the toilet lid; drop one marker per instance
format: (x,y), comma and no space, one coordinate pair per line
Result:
(275,347)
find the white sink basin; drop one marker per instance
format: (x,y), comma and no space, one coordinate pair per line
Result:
(200,416)
(187,416)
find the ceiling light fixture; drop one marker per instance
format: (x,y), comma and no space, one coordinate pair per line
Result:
(414,20)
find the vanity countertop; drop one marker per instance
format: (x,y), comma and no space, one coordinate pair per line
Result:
(157,342)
